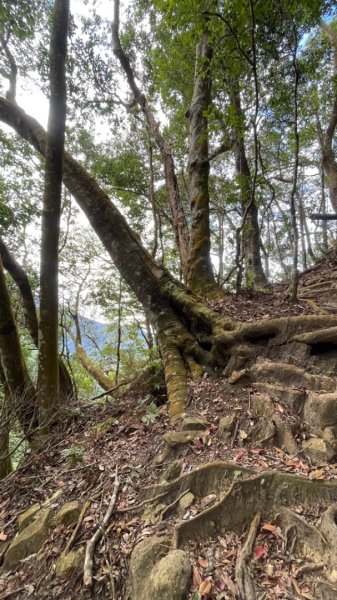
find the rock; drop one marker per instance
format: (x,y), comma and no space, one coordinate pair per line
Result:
(68,514)
(194,424)
(320,410)
(330,436)
(226,425)
(30,540)
(156,573)
(143,559)
(172,472)
(69,563)
(167,453)
(178,438)
(318,450)
(170,578)
(186,500)
(27,517)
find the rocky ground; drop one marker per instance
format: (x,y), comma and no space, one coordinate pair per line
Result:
(239,500)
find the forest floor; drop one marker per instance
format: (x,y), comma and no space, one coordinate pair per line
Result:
(80,464)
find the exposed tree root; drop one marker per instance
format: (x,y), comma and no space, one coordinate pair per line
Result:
(244,579)
(266,492)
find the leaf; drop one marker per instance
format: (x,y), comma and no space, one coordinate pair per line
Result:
(203,562)
(196,576)
(317,474)
(206,588)
(269,527)
(259,552)
(3,536)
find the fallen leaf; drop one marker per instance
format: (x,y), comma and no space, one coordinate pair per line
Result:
(259,552)
(203,562)
(3,536)
(317,474)
(196,576)
(269,527)
(206,588)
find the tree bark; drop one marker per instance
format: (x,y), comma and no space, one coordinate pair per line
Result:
(200,275)
(30,315)
(105,382)
(171,183)
(48,372)
(255,276)
(5,426)
(18,382)
(326,137)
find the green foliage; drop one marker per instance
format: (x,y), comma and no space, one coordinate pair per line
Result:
(152,413)
(74,455)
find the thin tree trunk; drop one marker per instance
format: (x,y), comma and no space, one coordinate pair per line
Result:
(119,331)
(19,384)
(30,315)
(200,275)
(5,426)
(48,372)
(249,230)
(326,139)
(294,280)
(171,183)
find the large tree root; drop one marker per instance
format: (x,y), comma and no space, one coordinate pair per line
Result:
(265,492)
(192,337)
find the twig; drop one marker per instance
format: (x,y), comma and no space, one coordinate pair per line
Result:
(166,510)
(89,554)
(78,525)
(9,594)
(147,501)
(309,568)
(107,392)
(244,579)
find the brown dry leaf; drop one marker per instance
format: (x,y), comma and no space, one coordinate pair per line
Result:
(196,576)
(317,474)
(206,588)
(203,562)
(3,536)
(223,542)
(269,527)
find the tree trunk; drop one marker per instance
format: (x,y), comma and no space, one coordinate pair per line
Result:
(171,183)
(200,275)
(190,335)
(29,309)
(105,382)
(5,426)
(255,277)
(19,384)
(48,373)
(326,137)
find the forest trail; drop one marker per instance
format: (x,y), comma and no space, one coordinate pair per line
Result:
(245,484)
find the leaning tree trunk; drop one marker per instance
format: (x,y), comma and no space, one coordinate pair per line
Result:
(94,370)
(20,387)
(190,335)
(200,275)
(48,373)
(250,234)
(171,182)
(30,315)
